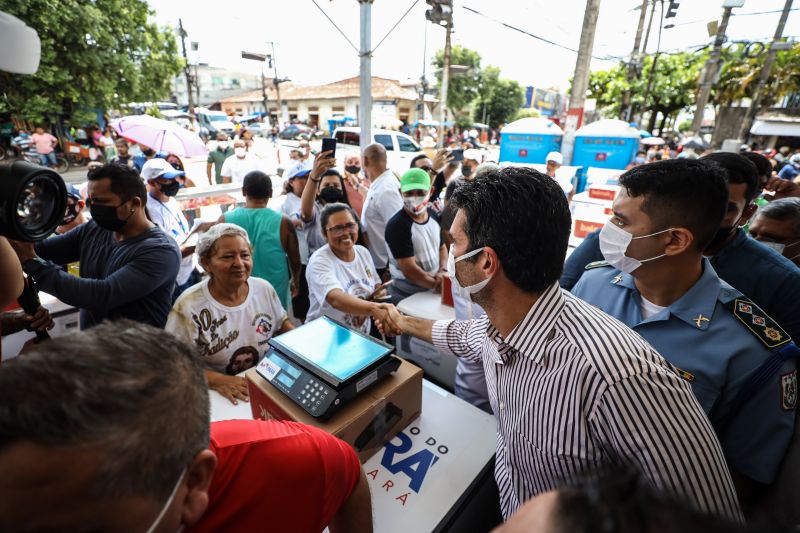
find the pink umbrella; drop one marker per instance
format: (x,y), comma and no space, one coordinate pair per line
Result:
(160,135)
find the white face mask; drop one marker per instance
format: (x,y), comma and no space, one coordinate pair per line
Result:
(614,242)
(240,152)
(468,291)
(167,505)
(416,204)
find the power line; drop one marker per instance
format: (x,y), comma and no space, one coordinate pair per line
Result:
(337,27)
(395,24)
(529,34)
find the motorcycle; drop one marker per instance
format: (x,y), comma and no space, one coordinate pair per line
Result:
(23,149)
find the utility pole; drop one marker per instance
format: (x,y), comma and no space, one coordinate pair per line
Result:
(775,45)
(365,72)
(445,82)
(652,76)
(710,71)
(188,73)
(580,80)
(277,83)
(634,66)
(264,94)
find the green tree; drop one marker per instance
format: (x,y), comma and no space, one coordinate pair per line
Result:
(741,68)
(528,112)
(498,100)
(674,87)
(462,88)
(96,54)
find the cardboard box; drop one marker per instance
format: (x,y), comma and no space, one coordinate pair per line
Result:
(366,423)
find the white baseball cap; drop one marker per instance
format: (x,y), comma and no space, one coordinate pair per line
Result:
(159,168)
(473,154)
(301,169)
(555,157)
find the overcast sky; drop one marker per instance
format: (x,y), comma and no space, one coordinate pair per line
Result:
(310,50)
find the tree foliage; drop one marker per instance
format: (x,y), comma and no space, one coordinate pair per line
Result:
(96,54)
(478,89)
(741,69)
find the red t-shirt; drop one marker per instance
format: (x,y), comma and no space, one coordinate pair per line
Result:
(276,476)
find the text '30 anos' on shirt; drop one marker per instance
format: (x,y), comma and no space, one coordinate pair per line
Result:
(575,391)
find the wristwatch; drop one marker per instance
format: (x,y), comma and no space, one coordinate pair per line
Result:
(34,265)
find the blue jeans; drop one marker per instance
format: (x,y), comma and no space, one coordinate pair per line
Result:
(48,160)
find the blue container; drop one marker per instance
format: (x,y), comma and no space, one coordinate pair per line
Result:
(605,144)
(529,140)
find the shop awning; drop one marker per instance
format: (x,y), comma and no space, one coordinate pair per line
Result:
(781,127)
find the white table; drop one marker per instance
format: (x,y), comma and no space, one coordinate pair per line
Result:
(436,472)
(439,366)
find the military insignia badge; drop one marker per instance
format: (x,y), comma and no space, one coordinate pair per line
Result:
(745,308)
(758,323)
(789,391)
(773,334)
(758,320)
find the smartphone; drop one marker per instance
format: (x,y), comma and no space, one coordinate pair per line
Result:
(329,143)
(458,154)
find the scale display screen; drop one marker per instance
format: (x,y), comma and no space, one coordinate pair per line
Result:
(331,347)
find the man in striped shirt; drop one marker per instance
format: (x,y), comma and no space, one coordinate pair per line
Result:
(574,390)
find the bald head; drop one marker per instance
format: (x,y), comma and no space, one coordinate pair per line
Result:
(374,161)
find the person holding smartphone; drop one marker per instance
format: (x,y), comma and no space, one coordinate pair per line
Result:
(342,280)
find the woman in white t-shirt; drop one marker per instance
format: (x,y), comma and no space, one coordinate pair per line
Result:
(229,317)
(342,280)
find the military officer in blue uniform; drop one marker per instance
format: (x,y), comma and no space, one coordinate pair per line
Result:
(740,363)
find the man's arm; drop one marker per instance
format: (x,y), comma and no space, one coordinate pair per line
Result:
(653,421)
(356,513)
(292,249)
(209,166)
(148,270)
(62,249)
(10,273)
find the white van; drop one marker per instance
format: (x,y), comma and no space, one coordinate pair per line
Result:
(214,121)
(400,148)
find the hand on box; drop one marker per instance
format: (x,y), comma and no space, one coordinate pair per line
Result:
(232,387)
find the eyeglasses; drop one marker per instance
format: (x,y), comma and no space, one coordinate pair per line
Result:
(336,231)
(429,170)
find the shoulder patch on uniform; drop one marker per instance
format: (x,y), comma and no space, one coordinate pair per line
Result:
(789,391)
(758,323)
(596,264)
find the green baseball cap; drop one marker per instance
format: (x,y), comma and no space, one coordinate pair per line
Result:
(415,179)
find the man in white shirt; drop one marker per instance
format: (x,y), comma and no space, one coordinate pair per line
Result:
(166,213)
(235,168)
(382,202)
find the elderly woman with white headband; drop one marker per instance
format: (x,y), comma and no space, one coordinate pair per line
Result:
(229,316)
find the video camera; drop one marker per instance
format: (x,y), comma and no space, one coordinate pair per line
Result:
(33,200)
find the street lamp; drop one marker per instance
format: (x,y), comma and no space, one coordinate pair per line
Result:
(262,58)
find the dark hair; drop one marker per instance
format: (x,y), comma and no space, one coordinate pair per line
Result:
(257,184)
(623,502)
(783,209)
(417,158)
(334,172)
(120,140)
(762,164)
(125,182)
(523,215)
(739,169)
(688,193)
(331,209)
(136,392)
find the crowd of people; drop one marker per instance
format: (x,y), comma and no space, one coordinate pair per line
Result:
(662,345)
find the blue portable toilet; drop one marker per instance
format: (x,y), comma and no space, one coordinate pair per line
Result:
(606,143)
(529,140)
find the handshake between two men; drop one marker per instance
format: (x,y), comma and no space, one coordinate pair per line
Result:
(390,321)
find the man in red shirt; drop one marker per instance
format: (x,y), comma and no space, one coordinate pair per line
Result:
(107,430)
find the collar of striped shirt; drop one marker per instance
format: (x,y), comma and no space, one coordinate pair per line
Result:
(532,332)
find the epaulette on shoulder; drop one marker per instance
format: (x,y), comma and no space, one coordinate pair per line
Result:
(597,264)
(769,332)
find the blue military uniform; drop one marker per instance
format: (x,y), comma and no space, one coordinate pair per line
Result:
(719,341)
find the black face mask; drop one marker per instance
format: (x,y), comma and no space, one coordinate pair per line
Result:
(353,169)
(105,216)
(720,236)
(331,195)
(170,189)
(148,152)
(71,214)
(466,170)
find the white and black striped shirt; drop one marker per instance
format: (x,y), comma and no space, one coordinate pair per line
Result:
(575,392)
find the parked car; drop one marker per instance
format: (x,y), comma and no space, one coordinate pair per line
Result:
(400,148)
(299,131)
(259,129)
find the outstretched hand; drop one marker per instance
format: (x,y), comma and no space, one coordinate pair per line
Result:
(388,320)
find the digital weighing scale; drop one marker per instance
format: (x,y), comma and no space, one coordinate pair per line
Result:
(323,364)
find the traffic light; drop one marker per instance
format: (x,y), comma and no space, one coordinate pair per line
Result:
(441,11)
(672,10)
